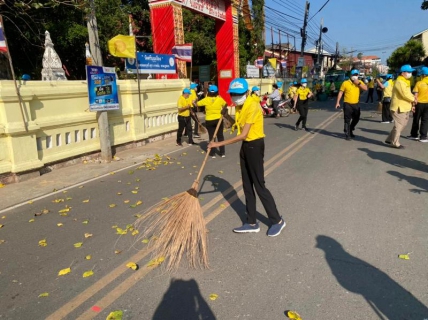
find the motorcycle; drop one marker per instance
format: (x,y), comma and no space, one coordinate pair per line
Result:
(284,107)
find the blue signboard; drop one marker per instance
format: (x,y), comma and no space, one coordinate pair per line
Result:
(102,88)
(152,63)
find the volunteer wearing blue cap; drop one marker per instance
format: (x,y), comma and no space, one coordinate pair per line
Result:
(301,103)
(184,104)
(421,109)
(255,93)
(193,98)
(351,109)
(214,107)
(251,160)
(402,102)
(386,86)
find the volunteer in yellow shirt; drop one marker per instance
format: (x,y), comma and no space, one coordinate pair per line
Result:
(421,109)
(251,160)
(214,106)
(386,101)
(301,102)
(370,85)
(194,98)
(255,94)
(402,102)
(350,89)
(184,104)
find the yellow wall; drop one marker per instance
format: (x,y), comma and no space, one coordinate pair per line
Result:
(60,125)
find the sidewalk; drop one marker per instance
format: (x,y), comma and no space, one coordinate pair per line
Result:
(61,179)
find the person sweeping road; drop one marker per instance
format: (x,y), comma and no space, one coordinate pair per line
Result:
(251,160)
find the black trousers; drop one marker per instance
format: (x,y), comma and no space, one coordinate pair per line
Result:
(386,111)
(379,95)
(275,104)
(184,123)
(370,95)
(351,114)
(195,119)
(303,107)
(211,125)
(421,114)
(252,171)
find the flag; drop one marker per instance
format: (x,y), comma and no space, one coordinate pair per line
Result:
(3,47)
(283,64)
(183,51)
(122,46)
(259,62)
(273,63)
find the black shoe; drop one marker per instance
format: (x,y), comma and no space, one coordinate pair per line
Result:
(399,147)
(296,127)
(387,142)
(348,138)
(306,129)
(352,135)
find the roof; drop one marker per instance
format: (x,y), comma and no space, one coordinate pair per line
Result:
(418,34)
(367,58)
(315,50)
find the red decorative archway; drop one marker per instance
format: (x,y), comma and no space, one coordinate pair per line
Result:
(167,29)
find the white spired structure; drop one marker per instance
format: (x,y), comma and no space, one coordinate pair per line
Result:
(52,66)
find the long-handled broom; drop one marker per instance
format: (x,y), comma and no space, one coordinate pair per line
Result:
(177,226)
(201,128)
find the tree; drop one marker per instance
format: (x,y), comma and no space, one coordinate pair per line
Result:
(411,53)
(424,5)
(257,34)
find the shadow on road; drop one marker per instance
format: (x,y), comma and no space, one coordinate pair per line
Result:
(183,300)
(396,160)
(376,131)
(420,183)
(223,186)
(386,297)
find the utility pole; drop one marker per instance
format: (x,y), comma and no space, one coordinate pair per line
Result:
(336,55)
(303,30)
(102,116)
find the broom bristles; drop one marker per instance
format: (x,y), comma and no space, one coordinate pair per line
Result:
(202,129)
(178,226)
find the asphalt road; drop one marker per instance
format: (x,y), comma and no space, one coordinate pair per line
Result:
(351,208)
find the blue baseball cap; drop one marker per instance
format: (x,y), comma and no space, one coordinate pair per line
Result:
(295,82)
(424,71)
(255,88)
(238,86)
(389,76)
(193,85)
(303,81)
(406,68)
(355,71)
(212,88)
(186,91)
(279,83)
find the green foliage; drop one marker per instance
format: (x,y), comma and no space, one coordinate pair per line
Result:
(424,5)
(411,53)
(245,47)
(258,20)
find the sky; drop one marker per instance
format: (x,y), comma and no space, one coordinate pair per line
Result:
(372,27)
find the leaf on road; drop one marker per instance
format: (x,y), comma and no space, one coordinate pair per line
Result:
(43,243)
(1,226)
(64,210)
(3,217)
(59,224)
(78,244)
(88,274)
(145,241)
(134,191)
(80,187)
(85,201)
(138,215)
(121,231)
(64,271)
(155,262)
(404,256)
(88,235)
(112,205)
(119,193)
(135,232)
(2,241)
(213,296)
(293,315)
(2,185)
(132,265)
(44,294)
(131,172)
(139,202)
(31,220)
(68,198)
(88,257)
(137,180)
(115,315)
(58,200)
(126,201)
(221,171)
(117,251)
(30,202)
(85,221)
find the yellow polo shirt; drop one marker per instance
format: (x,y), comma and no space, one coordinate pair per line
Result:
(252,113)
(387,92)
(255,97)
(351,91)
(402,96)
(183,102)
(213,107)
(371,84)
(193,96)
(421,88)
(292,91)
(303,93)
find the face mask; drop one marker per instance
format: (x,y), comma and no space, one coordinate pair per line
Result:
(304,84)
(257,93)
(238,100)
(407,75)
(353,78)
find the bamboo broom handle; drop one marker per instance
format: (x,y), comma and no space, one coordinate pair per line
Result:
(196,182)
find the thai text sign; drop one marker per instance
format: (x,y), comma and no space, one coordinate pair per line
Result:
(102,88)
(152,63)
(213,8)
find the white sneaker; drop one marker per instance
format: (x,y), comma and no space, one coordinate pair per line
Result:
(224,156)
(213,157)
(385,122)
(423,140)
(412,138)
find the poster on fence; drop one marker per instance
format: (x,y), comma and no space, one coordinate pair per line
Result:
(102,88)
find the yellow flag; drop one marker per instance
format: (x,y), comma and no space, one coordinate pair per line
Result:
(122,46)
(273,63)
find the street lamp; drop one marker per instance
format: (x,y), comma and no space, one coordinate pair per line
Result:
(322,30)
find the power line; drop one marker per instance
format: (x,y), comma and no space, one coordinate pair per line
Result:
(320,9)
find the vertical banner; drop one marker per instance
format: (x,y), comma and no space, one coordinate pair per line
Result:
(102,88)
